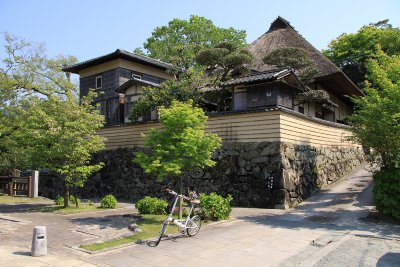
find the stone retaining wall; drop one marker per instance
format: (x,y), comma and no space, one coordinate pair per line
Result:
(265,174)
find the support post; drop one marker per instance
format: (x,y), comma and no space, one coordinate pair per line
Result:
(35,184)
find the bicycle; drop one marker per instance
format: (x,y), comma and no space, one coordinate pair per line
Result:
(190,225)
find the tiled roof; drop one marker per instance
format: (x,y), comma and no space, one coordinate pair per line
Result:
(133,81)
(263,77)
(119,53)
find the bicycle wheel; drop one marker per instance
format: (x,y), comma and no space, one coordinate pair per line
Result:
(193,225)
(163,230)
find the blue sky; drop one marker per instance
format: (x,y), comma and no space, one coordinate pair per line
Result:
(89,28)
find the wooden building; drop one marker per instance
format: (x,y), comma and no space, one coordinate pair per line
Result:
(276,151)
(263,106)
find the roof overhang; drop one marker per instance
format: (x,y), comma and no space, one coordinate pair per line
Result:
(270,76)
(133,81)
(340,84)
(117,54)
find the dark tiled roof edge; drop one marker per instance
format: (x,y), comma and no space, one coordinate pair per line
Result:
(116,54)
(132,81)
(267,76)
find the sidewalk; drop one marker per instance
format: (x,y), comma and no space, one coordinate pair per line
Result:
(317,227)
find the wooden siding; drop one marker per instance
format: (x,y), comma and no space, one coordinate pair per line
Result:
(270,126)
(301,130)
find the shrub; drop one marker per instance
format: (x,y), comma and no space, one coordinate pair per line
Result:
(215,207)
(151,205)
(72,200)
(59,200)
(109,202)
(387,192)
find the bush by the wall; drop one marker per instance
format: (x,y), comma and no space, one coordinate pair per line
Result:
(72,200)
(59,200)
(387,192)
(151,205)
(109,202)
(215,207)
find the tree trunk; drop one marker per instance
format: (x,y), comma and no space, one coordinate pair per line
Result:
(181,200)
(66,195)
(76,198)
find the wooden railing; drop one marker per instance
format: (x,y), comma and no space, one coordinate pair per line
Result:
(16,186)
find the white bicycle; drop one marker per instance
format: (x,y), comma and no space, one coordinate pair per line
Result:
(191,225)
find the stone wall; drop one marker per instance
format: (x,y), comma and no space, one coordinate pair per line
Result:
(265,174)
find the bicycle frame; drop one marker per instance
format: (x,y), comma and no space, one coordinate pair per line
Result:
(179,222)
(191,224)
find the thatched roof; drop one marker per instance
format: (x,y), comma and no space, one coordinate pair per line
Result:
(282,34)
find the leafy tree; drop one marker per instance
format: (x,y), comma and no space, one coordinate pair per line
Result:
(376,121)
(352,51)
(152,98)
(299,60)
(294,58)
(180,42)
(43,118)
(180,145)
(223,62)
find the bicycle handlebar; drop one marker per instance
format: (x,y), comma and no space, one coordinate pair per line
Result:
(192,195)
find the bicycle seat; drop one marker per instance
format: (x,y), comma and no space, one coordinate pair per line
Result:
(195,201)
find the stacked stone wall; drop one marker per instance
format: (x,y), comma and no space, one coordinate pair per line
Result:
(265,174)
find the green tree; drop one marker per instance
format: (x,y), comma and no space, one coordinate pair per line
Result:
(295,58)
(152,98)
(180,145)
(180,42)
(352,51)
(223,62)
(43,118)
(376,124)
(376,121)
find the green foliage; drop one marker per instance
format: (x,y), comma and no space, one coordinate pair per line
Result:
(225,60)
(153,98)
(376,121)
(74,200)
(109,202)
(295,58)
(215,207)
(181,144)
(180,41)
(44,124)
(313,96)
(59,200)
(387,192)
(151,205)
(352,51)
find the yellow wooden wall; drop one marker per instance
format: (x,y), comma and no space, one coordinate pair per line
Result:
(247,127)
(297,129)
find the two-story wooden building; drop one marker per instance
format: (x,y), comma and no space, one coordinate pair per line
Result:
(118,77)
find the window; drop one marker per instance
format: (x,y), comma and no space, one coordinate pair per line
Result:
(301,109)
(99,82)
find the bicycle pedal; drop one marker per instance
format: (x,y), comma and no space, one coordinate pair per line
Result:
(182,231)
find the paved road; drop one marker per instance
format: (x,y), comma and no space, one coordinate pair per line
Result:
(332,228)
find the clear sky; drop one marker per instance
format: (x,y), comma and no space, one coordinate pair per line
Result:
(91,28)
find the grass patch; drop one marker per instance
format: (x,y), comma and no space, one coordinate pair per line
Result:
(150,226)
(6,199)
(71,209)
